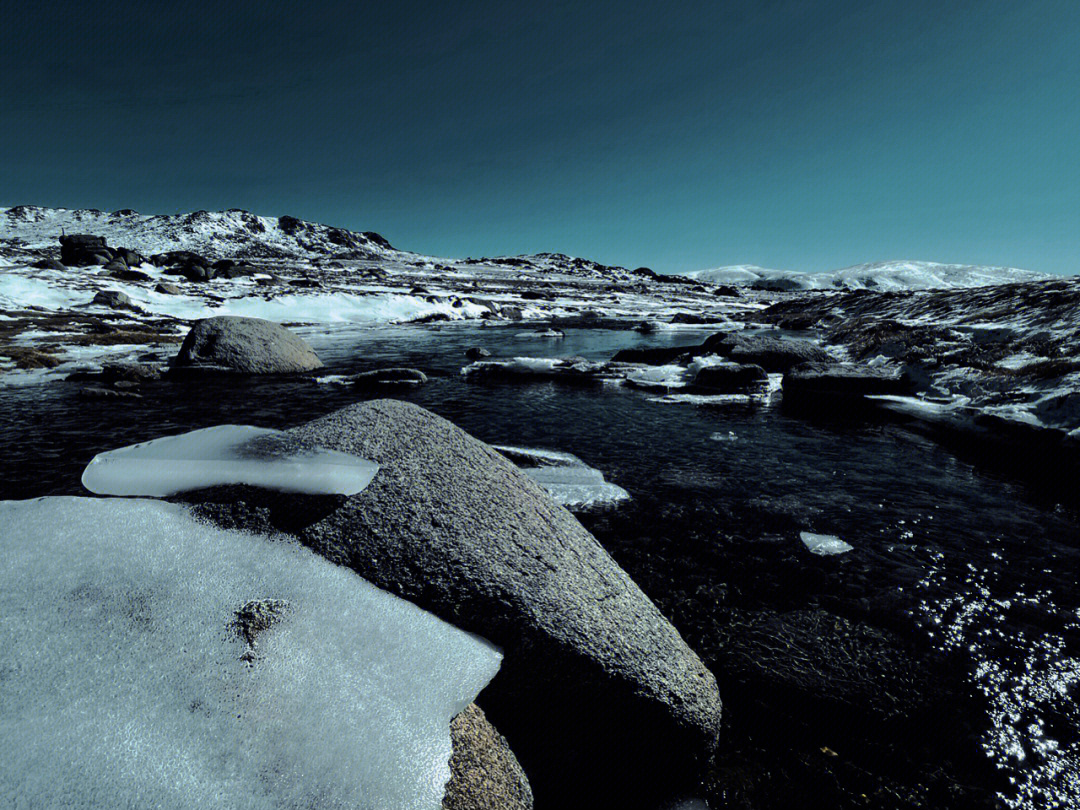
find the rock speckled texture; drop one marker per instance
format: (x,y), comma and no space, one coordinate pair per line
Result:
(595,681)
(484,773)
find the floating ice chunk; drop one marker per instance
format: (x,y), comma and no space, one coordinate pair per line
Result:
(547,333)
(226,454)
(730,436)
(568,479)
(658,377)
(824,543)
(127,685)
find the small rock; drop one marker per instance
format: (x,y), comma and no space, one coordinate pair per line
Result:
(112,298)
(729,378)
(383,377)
(167,288)
(477,353)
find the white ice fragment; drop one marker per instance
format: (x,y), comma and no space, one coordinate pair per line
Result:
(824,543)
(226,454)
(123,681)
(730,436)
(547,333)
(658,377)
(568,479)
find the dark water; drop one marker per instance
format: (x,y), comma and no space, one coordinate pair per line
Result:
(963,559)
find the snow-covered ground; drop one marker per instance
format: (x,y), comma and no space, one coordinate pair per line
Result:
(884,276)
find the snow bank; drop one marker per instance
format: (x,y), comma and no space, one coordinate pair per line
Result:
(568,479)
(124,683)
(226,454)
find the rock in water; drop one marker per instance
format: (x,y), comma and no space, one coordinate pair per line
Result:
(771,353)
(244,345)
(484,773)
(728,378)
(596,683)
(836,388)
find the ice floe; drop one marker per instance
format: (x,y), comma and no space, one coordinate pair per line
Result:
(824,544)
(226,454)
(567,478)
(128,682)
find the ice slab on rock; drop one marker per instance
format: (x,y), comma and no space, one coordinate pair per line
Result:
(824,544)
(124,684)
(568,479)
(226,454)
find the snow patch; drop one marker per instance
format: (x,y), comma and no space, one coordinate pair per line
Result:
(126,682)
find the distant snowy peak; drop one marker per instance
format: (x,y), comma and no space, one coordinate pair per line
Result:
(232,233)
(883,276)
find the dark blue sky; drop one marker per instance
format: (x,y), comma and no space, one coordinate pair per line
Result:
(679,135)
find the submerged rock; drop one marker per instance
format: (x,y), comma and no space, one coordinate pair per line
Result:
(450,524)
(387,377)
(246,346)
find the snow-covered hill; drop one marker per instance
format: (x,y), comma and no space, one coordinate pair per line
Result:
(884,276)
(220,234)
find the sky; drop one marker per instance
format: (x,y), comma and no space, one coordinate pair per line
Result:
(795,134)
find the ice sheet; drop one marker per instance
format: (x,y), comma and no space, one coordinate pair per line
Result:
(226,454)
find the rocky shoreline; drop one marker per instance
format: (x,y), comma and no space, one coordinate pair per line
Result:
(616,656)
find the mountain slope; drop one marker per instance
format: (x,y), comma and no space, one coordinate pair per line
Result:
(223,234)
(884,276)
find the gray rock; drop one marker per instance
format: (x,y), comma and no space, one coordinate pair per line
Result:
(383,377)
(112,298)
(49,264)
(477,353)
(656,356)
(484,773)
(453,526)
(837,388)
(167,288)
(83,249)
(772,354)
(244,345)
(730,378)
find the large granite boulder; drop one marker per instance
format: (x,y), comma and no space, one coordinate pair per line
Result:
(597,688)
(484,773)
(244,345)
